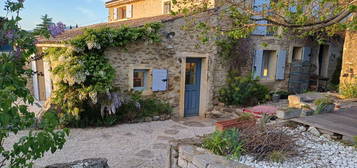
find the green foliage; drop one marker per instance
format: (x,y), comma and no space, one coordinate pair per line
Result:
(81,72)
(322,104)
(243,91)
(323,101)
(134,108)
(246,117)
(349,89)
(42,28)
(14,115)
(277,156)
(355,141)
(225,143)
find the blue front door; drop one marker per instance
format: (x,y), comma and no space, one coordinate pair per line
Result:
(192,87)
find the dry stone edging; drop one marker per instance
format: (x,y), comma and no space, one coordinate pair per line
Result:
(185,153)
(87,163)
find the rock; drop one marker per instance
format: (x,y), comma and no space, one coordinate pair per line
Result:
(306,112)
(156,118)
(328,109)
(163,117)
(87,163)
(148,119)
(216,114)
(314,131)
(288,113)
(228,110)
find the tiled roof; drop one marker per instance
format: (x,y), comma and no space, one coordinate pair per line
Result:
(69,34)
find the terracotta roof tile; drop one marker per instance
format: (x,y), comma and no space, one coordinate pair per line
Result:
(69,34)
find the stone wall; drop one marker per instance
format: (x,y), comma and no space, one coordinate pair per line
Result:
(169,54)
(244,57)
(349,61)
(190,156)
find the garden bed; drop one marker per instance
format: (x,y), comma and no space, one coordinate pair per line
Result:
(309,150)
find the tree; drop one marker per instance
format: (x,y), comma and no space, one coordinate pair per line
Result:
(322,18)
(14,116)
(42,29)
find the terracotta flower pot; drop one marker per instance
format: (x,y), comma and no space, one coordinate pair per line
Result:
(228,124)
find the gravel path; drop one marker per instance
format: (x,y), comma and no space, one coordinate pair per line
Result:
(142,145)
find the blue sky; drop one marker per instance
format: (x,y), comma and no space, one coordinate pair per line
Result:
(70,12)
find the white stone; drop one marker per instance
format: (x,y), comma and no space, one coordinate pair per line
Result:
(314,131)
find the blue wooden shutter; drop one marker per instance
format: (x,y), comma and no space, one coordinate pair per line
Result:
(306,54)
(258,7)
(280,67)
(159,80)
(258,63)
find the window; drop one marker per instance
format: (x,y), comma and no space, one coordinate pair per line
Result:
(167,7)
(140,79)
(122,12)
(269,64)
(297,53)
(190,73)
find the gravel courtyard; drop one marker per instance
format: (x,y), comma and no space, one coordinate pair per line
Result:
(142,145)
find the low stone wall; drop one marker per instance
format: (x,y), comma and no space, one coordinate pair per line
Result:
(87,163)
(186,154)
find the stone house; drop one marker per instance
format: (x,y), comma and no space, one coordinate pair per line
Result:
(187,75)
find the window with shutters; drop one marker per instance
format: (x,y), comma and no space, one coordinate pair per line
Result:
(269,64)
(297,54)
(167,7)
(140,79)
(122,12)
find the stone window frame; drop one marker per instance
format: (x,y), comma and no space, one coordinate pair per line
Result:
(132,68)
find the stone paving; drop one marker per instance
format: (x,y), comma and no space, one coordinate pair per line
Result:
(142,145)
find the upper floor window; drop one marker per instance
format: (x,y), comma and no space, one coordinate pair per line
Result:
(167,7)
(123,12)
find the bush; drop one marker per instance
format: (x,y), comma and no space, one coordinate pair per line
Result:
(225,143)
(355,141)
(244,91)
(322,104)
(133,107)
(349,90)
(264,142)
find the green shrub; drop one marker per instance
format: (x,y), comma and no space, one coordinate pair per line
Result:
(246,117)
(320,101)
(225,143)
(349,90)
(244,91)
(355,141)
(321,104)
(134,107)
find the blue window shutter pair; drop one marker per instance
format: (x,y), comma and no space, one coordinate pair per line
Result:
(159,79)
(280,69)
(258,7)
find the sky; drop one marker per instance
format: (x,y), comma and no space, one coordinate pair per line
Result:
(69,12)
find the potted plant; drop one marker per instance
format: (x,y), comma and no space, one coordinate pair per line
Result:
(245,120)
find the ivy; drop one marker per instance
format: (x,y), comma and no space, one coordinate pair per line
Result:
(81,72)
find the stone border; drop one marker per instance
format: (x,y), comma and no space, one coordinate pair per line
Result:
(186,154)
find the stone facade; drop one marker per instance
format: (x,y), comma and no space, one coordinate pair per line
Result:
(349,62)
(245,57)
(170,54)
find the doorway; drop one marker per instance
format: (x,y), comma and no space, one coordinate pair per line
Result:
(192,87)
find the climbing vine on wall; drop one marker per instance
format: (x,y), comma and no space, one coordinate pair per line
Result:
(81,72)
